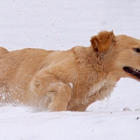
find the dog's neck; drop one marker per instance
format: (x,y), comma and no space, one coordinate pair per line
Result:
(98,64)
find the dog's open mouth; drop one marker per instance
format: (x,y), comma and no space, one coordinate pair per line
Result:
(132,71)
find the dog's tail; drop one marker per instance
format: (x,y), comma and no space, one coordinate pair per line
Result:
(3,51)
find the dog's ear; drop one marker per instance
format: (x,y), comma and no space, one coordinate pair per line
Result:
(103,41)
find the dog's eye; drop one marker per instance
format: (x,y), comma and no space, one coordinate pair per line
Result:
(137,50)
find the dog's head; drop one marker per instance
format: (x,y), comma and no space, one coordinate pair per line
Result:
(122,53)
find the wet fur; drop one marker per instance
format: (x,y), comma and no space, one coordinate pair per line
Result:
(66,80)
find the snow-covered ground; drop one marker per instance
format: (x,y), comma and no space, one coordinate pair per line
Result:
(60,25)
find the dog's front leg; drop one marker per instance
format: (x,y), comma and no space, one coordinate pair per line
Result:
(47,85)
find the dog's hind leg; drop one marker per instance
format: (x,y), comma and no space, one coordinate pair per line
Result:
(46,85)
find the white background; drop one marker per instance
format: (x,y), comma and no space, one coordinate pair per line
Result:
(60,25)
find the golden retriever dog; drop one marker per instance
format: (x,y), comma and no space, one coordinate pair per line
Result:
(68,80)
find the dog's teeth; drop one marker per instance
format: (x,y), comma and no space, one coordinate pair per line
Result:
(135,70)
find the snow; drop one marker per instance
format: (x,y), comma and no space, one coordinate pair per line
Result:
(60,25)
(21,123)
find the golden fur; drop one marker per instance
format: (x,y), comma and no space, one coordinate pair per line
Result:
(67,80)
